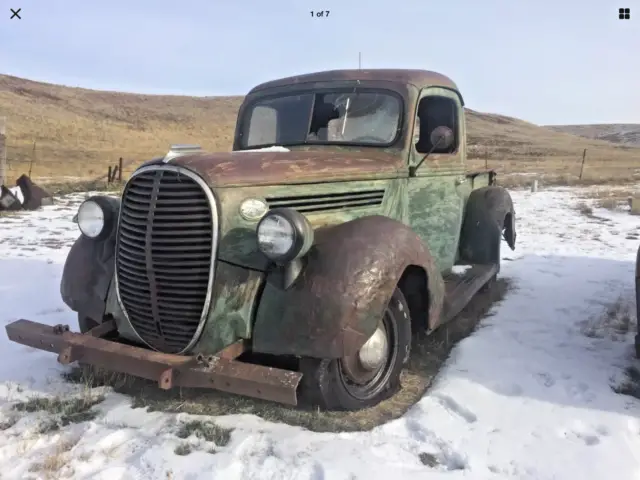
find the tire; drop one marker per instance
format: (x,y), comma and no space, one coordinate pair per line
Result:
(333,384)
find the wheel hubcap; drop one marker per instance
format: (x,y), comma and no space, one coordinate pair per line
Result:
(374,352)
(366,372)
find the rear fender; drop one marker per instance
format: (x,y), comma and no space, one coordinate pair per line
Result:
(348,279)
(489,215)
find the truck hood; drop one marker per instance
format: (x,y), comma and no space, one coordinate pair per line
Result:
(267,167)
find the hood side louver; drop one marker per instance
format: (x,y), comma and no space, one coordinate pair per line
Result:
(328,201)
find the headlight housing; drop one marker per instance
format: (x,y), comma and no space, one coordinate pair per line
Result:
(95,217)
(284,235)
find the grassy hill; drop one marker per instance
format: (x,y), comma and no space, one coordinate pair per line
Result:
(621,133)
(79,132)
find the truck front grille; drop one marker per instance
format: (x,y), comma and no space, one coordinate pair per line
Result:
(165,254)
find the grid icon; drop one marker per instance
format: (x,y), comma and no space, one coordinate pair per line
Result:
(624,13)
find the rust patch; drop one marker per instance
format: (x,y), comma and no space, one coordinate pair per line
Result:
(103,329)
(269,168)
(349,278)
(419,78)
(220,372)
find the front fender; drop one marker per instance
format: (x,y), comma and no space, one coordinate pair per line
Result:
(334,306)
(87,274)
(88,271)
(489,212)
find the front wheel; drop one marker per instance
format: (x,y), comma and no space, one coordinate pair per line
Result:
(369,376)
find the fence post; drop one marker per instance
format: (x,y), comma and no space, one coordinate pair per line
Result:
(486,157)
(120,170)
(33,159)
(584,156)
(3,151)
(534,186)
(109,175)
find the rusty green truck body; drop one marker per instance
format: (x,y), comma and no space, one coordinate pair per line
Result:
(180,273)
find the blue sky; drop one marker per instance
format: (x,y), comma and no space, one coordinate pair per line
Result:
(563,61)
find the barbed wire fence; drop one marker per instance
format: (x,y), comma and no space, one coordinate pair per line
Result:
(580,164)
(46,164)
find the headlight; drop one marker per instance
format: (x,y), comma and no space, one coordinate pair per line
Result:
(284,235)
(95,217)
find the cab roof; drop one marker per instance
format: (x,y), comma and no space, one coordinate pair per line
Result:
(418,78)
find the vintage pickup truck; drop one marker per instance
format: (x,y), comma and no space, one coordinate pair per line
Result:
(299,265)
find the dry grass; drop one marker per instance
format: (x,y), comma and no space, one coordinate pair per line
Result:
(205,430)
(628,134)
(631,385)
(617,320)
(51,467)
(63,411)
(78,133)
(612,197)
(617,323)
(428,355)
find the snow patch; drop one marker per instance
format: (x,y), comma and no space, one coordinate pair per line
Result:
(460,269)
(526,396)
(265,149)
(17,192)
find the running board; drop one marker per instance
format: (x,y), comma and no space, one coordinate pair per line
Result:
(460,289)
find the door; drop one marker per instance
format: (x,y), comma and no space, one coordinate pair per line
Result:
(437,191)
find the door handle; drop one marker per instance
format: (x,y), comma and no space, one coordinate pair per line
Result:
(460,180)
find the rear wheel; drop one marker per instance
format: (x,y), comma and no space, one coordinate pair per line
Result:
(369,376)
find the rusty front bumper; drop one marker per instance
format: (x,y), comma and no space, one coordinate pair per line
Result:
(220,371)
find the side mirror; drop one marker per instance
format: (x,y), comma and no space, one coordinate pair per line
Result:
(441,138)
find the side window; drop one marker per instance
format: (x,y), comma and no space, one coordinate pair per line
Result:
(436,111)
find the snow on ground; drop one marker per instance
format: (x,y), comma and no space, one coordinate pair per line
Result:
(527,396)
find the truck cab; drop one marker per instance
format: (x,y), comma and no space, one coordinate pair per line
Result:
(371,113)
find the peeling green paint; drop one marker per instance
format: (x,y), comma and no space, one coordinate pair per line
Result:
(235,295)
(238,236)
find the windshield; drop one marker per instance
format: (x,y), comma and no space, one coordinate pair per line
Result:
(336,117)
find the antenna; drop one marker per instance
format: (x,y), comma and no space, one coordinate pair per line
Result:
(359,60)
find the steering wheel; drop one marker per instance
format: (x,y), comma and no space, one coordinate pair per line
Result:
(369,137)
